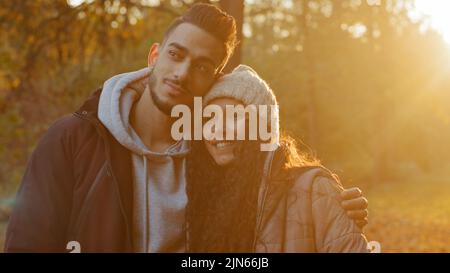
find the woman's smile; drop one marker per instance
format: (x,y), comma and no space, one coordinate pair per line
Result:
(223,151)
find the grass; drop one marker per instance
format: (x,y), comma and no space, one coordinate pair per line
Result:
(404,217)
(2,235)
(410,217)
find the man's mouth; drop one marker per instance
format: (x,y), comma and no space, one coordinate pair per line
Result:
(175,88)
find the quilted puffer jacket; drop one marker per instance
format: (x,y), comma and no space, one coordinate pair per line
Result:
(300,211)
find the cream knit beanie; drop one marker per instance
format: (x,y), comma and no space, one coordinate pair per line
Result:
(244,84)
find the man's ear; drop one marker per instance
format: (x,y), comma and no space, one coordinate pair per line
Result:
(153,54)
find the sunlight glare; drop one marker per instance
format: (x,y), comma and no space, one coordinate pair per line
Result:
(438,13)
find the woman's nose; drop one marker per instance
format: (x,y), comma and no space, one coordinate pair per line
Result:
(216,133)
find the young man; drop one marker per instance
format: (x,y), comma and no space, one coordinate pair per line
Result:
(110,176)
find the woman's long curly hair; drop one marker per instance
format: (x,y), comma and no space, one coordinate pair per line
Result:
(222,201)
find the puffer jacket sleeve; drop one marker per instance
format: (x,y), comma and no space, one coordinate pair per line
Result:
(334,230)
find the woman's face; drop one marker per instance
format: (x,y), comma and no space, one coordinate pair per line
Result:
(223,151)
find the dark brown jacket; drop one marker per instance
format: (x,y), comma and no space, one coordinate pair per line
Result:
(77,186)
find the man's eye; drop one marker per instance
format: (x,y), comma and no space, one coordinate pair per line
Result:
(203,68)
(174,54)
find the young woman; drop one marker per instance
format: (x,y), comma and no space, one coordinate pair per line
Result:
(242,199)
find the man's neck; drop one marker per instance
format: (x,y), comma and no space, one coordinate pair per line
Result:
(151,125)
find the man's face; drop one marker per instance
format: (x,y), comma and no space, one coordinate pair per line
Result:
(185,66)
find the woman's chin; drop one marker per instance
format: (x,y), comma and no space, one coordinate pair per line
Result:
(223,155)
(224,160)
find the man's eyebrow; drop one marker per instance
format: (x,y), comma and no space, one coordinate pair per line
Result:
(178,46)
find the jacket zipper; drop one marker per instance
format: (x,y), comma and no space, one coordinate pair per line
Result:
(262,196)
(86,205)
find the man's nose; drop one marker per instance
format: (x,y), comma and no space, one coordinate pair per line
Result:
(182,71)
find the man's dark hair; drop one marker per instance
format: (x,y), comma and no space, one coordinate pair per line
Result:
(214,21)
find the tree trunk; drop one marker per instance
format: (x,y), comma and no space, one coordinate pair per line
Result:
(236,9)
(308,52)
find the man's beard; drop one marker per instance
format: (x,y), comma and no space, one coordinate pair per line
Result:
(166,108)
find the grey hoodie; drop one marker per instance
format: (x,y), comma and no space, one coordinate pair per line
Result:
(159,179)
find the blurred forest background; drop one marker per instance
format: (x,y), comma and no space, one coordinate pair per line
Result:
(364,84)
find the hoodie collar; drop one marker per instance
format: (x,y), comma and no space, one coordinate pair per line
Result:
(119,95)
